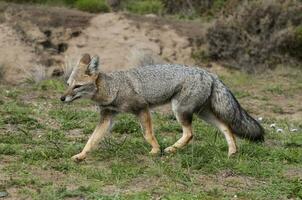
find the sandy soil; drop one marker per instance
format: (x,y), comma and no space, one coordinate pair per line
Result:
(14,54)
(113,36)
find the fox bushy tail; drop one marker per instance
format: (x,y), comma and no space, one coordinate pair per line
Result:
(226,108)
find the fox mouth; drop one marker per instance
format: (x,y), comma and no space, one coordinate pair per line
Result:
(69,99)
(74,98)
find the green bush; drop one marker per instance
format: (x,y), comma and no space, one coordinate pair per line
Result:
(193,8)
(297,43)
(145,7)
(50,2)
(93,6)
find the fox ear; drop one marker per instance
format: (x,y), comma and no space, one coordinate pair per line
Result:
(93,66)
(85,59)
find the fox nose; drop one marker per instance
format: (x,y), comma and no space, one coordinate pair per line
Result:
(62,98)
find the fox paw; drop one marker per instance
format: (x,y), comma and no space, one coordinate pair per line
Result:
(232,153)
(154,151)
(170,149)
(79,157)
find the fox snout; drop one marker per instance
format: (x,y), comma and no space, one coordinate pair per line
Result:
(62,98)
(69,96)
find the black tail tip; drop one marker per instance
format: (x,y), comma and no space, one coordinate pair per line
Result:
(257,139)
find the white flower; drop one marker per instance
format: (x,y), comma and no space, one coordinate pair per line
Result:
(272,125)
(293,130)
(279,130)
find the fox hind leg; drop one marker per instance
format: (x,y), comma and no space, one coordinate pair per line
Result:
(185,119)
(209,117)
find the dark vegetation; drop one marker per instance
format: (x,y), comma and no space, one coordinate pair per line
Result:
(259,35)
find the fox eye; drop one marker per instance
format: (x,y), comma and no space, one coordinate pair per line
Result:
(76,86)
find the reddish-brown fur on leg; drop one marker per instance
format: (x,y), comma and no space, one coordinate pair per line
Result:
(146,122)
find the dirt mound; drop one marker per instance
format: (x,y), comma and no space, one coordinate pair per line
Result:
(112,36)
(14,54)
(47,30)
(31,35)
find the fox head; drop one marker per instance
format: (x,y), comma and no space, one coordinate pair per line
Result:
(82,80)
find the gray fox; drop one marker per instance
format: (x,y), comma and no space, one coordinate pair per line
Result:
(189,89)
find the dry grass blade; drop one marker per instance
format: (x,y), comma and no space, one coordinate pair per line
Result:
(37,74)
(68,66)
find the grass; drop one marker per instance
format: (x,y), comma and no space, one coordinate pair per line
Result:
(144,6)
(93,6)
(38,135)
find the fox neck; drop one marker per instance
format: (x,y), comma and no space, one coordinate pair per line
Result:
(105,92)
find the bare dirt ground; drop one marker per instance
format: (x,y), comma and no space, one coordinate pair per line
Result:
(113,36)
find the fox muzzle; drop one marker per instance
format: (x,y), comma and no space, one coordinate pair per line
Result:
(62,98)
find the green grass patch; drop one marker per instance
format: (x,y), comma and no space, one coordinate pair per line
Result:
(38,138)
(51,85)
(71,118)
(93,6)
(145,6)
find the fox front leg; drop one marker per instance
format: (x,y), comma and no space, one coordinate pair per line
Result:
(96,137)
(146,122)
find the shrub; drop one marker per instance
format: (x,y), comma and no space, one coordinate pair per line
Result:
(145,7)
(259,35)
(114,4)
(192,7)
(295,43)
(93,6)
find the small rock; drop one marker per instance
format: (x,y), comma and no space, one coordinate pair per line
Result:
(293,130)
(260,119)
(151,15)
(279,130)
(3,194)
(235,196)
(272,125)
